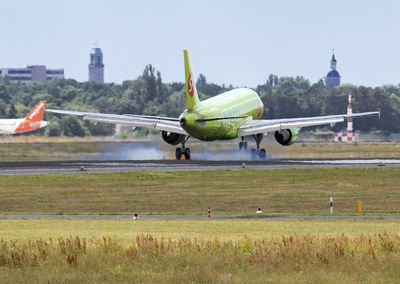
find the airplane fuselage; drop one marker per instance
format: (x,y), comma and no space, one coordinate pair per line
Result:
(19,125)
(8,126)
(237,102)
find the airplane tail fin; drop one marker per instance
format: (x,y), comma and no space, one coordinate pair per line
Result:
(36,114)
(192,99)
(34,119)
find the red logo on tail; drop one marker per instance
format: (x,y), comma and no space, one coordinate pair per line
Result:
(190,85)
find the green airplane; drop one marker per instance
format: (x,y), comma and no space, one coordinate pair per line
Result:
(233,114)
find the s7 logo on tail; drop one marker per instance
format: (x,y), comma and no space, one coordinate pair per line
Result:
(190,85)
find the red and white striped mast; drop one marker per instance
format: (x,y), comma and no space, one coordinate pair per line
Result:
(349,121)
(348,135)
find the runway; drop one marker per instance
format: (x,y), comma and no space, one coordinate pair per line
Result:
(99,166)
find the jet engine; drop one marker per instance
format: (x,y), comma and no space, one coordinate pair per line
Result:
(173,138)
(286,137)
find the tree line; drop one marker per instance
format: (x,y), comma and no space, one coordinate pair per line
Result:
(283,97)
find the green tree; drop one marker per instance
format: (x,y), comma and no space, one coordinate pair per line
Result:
(4,93)
(201,80)
(53,129)
(150,81)
(71,127)
(3,109)
(12,111)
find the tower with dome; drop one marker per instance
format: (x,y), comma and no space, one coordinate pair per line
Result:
(96,66)
(333,77)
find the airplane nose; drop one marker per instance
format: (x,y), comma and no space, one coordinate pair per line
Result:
(182,121)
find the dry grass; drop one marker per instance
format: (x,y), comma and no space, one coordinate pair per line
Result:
(200,251)
(226,230)
(294,258)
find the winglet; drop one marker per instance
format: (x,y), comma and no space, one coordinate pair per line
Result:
(34,119)
(192,99)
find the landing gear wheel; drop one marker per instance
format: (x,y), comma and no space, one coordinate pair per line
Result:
(256,154)
(178,153)
(242,145)
(262,154)
(186,153)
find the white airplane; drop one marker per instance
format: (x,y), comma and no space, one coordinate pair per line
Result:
(31,122)
(233,114)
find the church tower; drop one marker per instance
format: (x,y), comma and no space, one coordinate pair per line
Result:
(333,77)
(96,66)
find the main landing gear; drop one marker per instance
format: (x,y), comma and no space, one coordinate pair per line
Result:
(183,151)
(243,144)
(255,153)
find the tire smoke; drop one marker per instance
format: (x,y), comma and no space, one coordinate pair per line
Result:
(131,151)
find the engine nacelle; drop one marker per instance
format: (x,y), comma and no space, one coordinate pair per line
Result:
(173,138)
(286,137)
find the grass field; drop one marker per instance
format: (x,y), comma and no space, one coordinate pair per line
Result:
(239,192)
(124,230)
(331,150)
(199,251)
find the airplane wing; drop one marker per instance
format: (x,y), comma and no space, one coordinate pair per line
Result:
(263,126)
(168,124)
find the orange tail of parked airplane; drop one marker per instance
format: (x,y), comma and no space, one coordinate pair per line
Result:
(33,121)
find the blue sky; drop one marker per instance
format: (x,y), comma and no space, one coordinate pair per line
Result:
(230,42)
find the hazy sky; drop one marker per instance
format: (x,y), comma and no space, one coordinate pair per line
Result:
(230,42)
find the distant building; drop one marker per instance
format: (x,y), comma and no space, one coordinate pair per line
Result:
(96,66)
(32,73)
(333,77)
